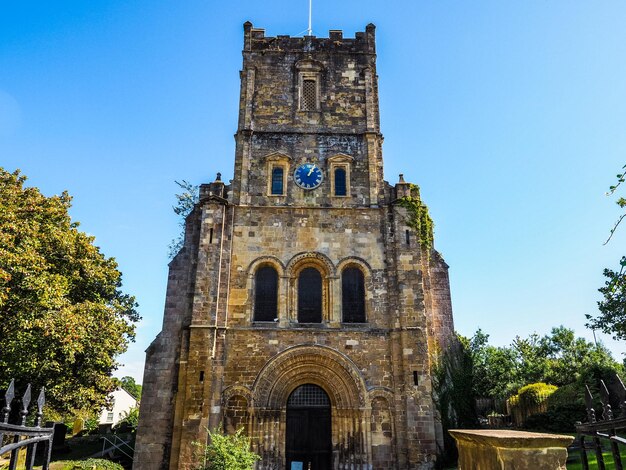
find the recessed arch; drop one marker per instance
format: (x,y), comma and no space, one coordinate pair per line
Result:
(310,291)
(233,390)
(310,258)
(364,265)
(253,270)
(305,264)
(318,365)
(356,293)
(352,295)
(266,260)
(266,293)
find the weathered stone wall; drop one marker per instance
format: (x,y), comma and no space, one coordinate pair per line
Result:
(343,85)
(271,119)
(214,366)
(160,380)
(285,236)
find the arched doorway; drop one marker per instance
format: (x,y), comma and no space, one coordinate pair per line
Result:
(308,439)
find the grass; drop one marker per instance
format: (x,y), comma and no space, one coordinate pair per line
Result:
(574,461)
(91,464)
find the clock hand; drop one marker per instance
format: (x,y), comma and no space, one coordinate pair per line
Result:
(311,170)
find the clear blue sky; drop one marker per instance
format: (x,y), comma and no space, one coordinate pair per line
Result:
(511,116)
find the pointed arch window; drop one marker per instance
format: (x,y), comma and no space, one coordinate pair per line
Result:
(353,295)
(265,294)
(310,296)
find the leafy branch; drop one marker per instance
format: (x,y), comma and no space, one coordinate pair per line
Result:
(185,202)
(621,202)
(612,307)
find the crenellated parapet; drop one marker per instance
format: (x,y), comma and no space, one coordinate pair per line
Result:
(363,41)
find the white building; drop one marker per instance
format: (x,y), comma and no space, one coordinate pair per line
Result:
(121,403)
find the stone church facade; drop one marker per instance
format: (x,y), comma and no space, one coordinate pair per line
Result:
(307,305)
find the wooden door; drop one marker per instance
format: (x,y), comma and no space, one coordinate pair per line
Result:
(308,437)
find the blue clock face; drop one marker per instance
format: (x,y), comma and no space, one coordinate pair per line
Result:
(308,176)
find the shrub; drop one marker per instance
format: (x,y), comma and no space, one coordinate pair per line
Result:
(225,452)
(90,464)
(129,422)
(535,394)
(561,418)
(91,424)
(530,400)
(567,395)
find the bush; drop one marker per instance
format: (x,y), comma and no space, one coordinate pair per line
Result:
(562,418)
(129,422)
(530,400)
(91,424)
(89,464)
(567,395)
(535,394)
(225,452)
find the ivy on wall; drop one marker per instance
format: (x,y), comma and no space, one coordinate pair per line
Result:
(418,217)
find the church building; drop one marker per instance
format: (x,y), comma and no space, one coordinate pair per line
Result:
(308,305)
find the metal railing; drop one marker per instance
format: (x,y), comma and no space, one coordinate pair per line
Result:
(20,436)
(119,444)
(604,429)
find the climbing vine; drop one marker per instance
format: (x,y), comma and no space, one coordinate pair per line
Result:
(418,217)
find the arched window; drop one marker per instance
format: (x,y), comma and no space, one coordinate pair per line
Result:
(353,295)
(277,180)
(340,181)
(310,296)
(266,294)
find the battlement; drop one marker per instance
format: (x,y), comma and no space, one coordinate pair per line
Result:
(363,42)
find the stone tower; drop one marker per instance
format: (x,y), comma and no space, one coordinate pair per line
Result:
(307,304)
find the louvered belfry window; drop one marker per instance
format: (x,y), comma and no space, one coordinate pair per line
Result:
(353,295)
(266,294)
(308,99)
(310,296)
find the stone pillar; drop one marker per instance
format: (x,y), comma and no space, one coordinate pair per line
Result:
(496,449)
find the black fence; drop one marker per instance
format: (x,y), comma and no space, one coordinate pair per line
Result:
(14,437)
(603,431)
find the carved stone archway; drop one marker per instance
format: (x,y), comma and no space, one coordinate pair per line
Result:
(340,379)
(315,364)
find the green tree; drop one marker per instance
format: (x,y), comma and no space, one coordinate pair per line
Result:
(63,316)
(558,358)
(185,202)
(225,452)
(496,369)
(531,354)
(570,358)
(612,307)
(128,383)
